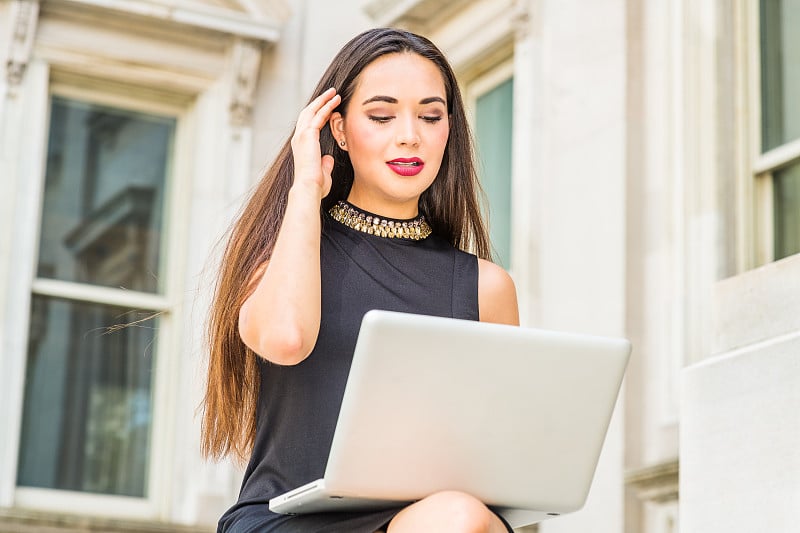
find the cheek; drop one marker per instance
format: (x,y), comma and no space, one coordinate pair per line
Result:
(440,138)
(362,137)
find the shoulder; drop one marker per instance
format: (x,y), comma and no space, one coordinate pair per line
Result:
(497,295)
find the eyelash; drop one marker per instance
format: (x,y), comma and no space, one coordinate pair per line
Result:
(384,120)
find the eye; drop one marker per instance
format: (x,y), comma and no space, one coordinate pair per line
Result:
(431,119)
(379,119)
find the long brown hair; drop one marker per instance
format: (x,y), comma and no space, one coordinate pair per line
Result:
(450,205)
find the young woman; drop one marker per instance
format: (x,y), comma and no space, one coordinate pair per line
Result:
(370,205)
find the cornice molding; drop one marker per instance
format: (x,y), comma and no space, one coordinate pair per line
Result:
(386,12)
(414,14)
(261,21)
(473,34)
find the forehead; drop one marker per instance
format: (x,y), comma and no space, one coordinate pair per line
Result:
(400,75)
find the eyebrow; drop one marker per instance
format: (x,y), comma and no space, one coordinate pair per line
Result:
(392,100)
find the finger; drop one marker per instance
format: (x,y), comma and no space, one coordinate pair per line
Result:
(316,104)
(320,100)
(321,117)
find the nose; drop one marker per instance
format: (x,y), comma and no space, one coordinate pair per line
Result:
(407,134)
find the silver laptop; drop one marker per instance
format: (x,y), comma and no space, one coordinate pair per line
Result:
(514,416)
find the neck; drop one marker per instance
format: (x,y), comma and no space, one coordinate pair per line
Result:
(401,210)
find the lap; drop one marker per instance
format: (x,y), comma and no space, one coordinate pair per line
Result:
(254,519)
(443,511)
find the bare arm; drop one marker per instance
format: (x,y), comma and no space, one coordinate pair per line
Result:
(497,296)
(280,319)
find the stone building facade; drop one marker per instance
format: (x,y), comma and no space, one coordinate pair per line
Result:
(641,161)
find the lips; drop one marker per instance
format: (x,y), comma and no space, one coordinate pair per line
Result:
(406,166)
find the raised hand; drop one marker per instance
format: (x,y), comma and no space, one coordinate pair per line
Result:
(280,319)
(311,168)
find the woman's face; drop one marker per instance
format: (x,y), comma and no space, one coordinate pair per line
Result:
(395,130)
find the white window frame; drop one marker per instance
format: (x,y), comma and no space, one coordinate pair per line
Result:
(760,248)
(154,504)
(474,89)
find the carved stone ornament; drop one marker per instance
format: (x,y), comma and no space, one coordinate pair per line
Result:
(246,62)
(521,17)
(24,16)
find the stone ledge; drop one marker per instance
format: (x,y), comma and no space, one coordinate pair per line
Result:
(657,483)
(757,305)
(27,521)
(739,440)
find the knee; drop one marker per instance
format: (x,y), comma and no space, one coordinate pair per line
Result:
(464,512)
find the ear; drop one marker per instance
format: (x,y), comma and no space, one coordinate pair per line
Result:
(336,123)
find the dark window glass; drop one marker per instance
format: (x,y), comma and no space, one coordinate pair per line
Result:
(786,201)
(780,72)
(493,131)
(88,398)
(102,218)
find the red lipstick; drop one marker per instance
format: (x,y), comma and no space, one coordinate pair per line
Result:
(406,166)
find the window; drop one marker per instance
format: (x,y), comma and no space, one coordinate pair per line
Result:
(492,101)
(87,420)
(778,163)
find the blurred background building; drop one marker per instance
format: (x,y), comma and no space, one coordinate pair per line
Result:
(641,160)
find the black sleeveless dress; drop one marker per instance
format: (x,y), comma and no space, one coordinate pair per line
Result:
(298,405)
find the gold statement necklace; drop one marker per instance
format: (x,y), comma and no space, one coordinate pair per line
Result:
(415,229)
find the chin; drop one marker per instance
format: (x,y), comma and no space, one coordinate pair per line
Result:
(410,188)
(404,195)
(398,189)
